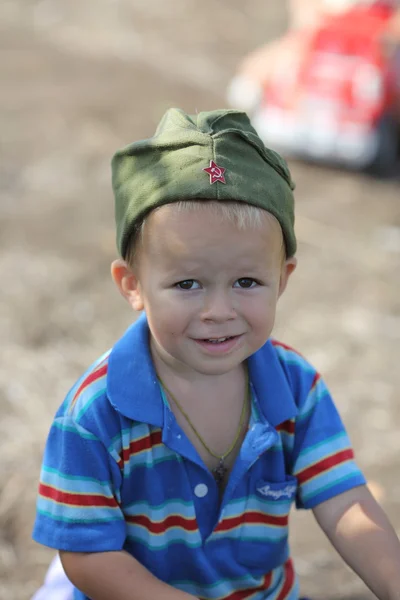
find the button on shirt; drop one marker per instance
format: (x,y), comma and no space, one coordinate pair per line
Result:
(119,473)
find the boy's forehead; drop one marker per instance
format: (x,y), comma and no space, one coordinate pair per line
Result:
(189,234)
(212,213)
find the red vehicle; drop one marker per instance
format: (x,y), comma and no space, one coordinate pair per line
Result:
(340,101)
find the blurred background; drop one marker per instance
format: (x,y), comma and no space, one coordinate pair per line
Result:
(80,79)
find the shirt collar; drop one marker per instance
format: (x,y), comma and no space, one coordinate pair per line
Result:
(132,384)
(134,391)
(271,386)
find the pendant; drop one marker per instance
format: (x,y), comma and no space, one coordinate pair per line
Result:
(219,472)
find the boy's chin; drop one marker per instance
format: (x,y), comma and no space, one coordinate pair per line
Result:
(216,366)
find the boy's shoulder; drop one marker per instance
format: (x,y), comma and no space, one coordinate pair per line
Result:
(285,383)
(295,372)
(88,395)
(114,386)
(286,352)
(296,367)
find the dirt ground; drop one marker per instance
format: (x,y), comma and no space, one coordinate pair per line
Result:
(78,80)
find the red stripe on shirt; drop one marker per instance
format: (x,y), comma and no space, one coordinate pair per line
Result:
(317,377)
(286,426)
(325,465)
(241,594)
(289,580)
(76,499)
(252,517)
(158,527)
(145,443)
(93,376)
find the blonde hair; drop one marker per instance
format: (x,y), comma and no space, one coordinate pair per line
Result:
(242,215)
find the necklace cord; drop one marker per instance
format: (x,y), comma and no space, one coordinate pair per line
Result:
(220,457)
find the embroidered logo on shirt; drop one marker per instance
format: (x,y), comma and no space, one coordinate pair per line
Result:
(286,492)
(216,173)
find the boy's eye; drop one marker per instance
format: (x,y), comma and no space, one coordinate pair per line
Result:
(245,282)
(188,284)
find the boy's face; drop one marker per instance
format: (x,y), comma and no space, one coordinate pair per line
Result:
(209,289)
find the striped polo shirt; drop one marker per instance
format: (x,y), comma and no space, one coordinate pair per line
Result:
(119,473)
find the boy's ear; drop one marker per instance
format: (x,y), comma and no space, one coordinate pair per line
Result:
(127,283)
(287,269)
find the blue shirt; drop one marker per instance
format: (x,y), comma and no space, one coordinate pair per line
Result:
(119,473)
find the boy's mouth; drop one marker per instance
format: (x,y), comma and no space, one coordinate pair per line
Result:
(219,345)
(219,340)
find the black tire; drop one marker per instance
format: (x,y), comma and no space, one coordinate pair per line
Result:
(385,163)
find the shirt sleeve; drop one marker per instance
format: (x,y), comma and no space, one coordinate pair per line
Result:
(323,458)
(78,506)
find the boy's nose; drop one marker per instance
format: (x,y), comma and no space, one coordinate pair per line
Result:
(218,307)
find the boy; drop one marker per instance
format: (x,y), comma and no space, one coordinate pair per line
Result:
(172,465)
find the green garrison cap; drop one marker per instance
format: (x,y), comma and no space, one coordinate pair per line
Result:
(214,155)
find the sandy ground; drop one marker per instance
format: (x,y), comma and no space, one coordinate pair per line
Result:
(79,80)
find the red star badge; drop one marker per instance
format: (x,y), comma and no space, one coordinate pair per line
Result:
(216,173)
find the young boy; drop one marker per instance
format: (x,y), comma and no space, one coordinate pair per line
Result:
(172,465)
